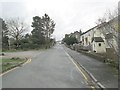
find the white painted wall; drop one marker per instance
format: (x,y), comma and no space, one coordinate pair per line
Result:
(97,33)
(89,35)
(99,49)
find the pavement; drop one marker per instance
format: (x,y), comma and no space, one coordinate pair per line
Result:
(50,68)
(104,74)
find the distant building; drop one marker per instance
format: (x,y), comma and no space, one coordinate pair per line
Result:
(77,35)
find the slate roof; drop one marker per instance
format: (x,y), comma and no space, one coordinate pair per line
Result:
(97,39)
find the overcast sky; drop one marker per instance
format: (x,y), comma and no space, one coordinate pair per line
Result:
(69,15)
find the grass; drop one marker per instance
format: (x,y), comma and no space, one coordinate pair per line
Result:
(7,64)
(43,47)
(20,50)
(12,50)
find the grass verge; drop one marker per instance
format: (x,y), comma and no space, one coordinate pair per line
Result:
(7,64)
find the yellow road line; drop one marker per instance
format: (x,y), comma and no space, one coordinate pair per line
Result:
(76,66)
(8,71)
(79,69)
(28,61)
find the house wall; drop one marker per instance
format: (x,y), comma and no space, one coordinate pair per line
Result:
(87,38)
(91,35)
(102,31)
(97,33)
(97,48)
(110,27)
(77,36)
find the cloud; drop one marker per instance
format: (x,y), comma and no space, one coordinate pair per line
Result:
(69,15)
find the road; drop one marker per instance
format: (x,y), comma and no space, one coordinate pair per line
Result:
(51,68)
(103,73)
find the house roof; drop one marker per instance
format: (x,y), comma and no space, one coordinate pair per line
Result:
(88,30)
(97,39)
(102,24)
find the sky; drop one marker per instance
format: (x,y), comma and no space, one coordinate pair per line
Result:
(69,15)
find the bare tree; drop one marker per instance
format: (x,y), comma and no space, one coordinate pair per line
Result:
(17,29)
(108,15)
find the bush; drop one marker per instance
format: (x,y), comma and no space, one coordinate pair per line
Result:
(70,40)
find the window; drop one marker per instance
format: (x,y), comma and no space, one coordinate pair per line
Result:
(94,51)
(99,44)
